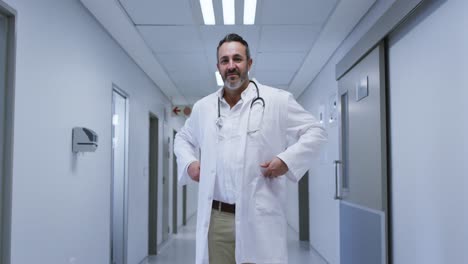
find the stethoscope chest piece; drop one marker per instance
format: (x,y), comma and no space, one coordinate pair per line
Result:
(219,122)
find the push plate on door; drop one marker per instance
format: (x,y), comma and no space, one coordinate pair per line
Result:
(362,89)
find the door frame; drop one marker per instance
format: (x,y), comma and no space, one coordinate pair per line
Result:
(8,136)
(116,89)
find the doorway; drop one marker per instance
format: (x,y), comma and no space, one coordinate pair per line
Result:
(119,177)
(361,172)
(303,192)
(153,185)
(7,76)
(184,205)
(153,196)
(175,204)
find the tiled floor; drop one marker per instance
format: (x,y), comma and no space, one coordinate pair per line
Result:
(181,249)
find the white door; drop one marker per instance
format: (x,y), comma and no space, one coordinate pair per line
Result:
(362,187)
(119,178)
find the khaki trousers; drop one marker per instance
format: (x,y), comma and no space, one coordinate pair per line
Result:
(221,238)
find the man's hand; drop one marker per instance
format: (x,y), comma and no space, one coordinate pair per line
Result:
(274,168)
(194,171)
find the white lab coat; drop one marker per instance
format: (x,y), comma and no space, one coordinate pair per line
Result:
(260,208)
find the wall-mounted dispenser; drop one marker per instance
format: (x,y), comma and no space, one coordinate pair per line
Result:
(84,140)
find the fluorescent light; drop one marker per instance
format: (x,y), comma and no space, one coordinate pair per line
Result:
(229,13)
(219,80)
(250,7)
(207,11)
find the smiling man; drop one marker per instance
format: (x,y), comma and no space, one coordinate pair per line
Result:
(253,138)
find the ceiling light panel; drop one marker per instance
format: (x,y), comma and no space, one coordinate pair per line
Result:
(207,11)
(229,12)
(250,8)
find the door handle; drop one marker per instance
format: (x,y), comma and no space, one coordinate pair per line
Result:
(337,187)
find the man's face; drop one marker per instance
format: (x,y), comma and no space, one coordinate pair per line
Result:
(233,64)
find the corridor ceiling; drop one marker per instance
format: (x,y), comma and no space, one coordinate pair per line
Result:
(290,41)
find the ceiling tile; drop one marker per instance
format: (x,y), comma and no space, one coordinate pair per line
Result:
(290,38)
(275,78)
(196,88)
(279,61)
(185,62)
(168,38)
(194,75)
(300,12)
(160,12)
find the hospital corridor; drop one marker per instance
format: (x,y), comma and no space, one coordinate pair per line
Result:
(233,131)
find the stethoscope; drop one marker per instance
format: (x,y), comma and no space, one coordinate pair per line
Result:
(219,120)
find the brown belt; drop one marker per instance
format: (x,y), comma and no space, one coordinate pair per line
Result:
(224,207)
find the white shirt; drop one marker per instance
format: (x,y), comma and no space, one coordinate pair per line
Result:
(229,158)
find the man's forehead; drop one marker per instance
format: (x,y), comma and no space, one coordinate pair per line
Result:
(231,49)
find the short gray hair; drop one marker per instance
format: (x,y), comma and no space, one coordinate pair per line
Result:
(233,37)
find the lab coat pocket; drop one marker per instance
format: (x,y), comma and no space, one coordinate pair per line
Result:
(266,202)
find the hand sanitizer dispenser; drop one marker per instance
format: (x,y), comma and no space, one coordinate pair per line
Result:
(84,140)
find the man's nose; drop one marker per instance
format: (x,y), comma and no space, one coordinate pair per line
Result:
(231,64)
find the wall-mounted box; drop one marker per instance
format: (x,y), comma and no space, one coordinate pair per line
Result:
(84,140)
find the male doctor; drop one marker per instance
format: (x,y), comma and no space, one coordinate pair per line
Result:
(252,139)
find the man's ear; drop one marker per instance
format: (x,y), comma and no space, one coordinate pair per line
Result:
(249,63)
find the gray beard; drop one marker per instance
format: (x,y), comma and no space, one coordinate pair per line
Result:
(233,86)
(237,85)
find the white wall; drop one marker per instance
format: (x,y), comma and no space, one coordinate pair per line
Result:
(428,90)
(66,65)
(323,222)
